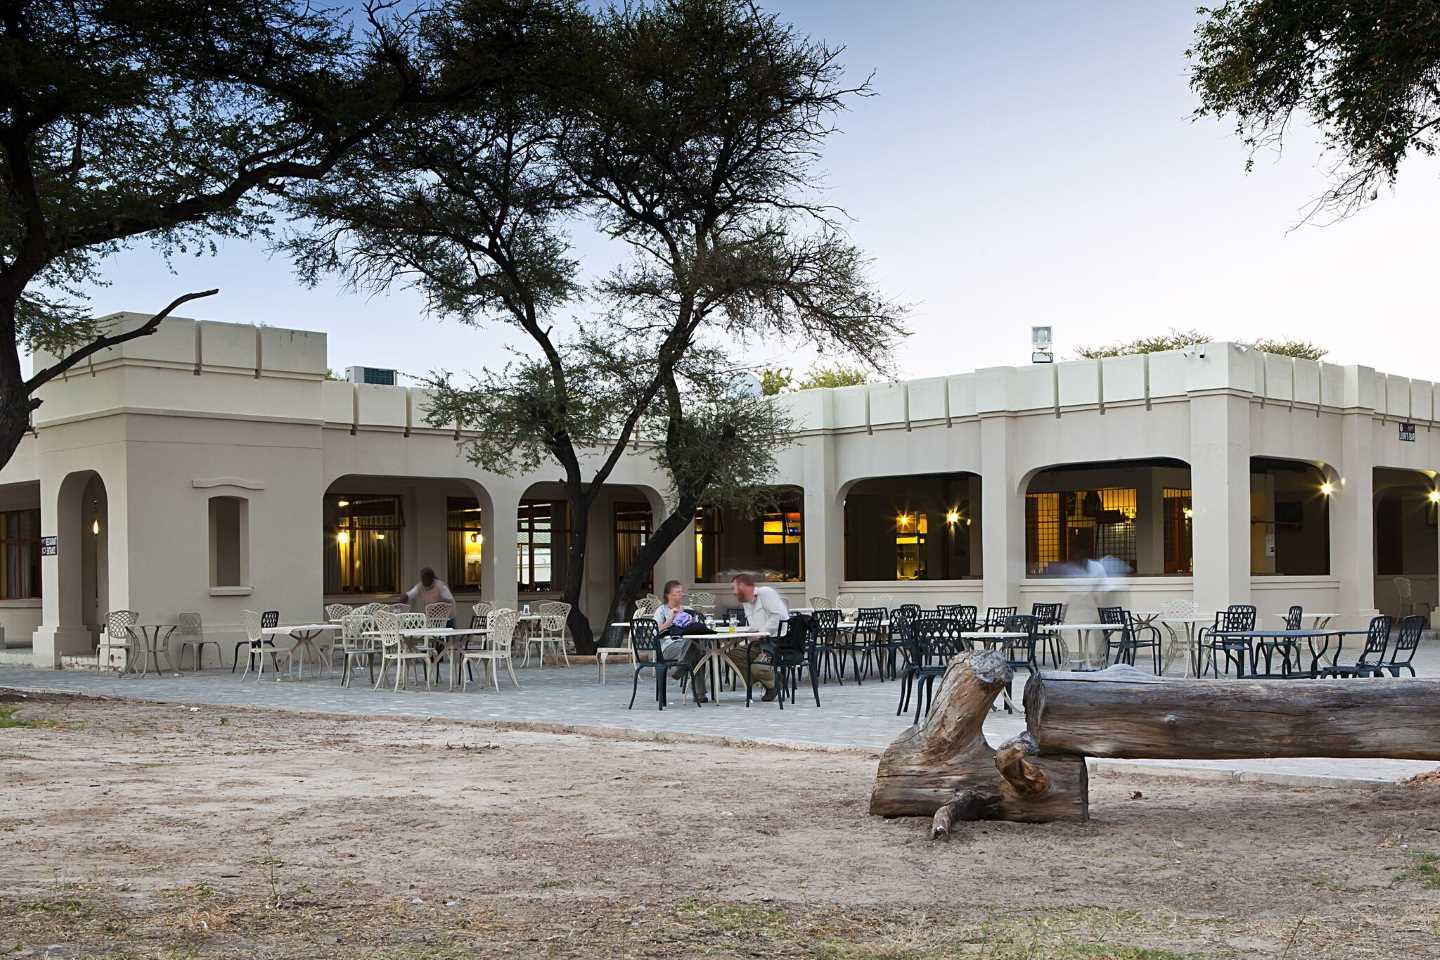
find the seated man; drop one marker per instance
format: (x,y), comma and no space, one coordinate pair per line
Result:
(764,611)
(675,620)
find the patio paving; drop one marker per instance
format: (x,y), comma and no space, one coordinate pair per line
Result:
(850,718)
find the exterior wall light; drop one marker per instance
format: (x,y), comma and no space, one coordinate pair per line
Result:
(342,537)
(95,526)
(1327,488)
(952,517)
(903,521)
(1433,496)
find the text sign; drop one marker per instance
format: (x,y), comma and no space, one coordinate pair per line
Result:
(49,546)
(1407,432)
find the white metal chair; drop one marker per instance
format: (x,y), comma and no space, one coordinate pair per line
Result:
(553,615)
(821,603)
(625,650)
(702,600)
(191,630)
(116,636)
(396,608)
(355,646)
(394,648)
(439,615)
(370,609)
(482,608)
(259,650)
(499,648)
(335,612)
(647,605)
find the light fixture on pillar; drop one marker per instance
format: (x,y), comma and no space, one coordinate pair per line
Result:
(952,517)
(95,526)
(903,521)
(1433,496)
(1327,488)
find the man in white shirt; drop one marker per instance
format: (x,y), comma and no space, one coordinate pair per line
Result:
(764,611)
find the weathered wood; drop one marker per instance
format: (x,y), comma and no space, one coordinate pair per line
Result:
(1121,712)
(947,754)
(964,807)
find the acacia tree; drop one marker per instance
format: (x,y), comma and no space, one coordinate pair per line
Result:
(164,121)
(1365,72)
(684,130)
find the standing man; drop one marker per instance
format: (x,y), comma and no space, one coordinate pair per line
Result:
(764,611)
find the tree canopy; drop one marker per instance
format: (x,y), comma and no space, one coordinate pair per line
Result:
(684,132)
(169,123)
(1366,73)
(1180,339)
(781,380)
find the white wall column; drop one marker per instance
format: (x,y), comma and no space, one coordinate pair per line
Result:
(1352,520)
(498,584)
(1002,516)
(824,520)
(1220,499)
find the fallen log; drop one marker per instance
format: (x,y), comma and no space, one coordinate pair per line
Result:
(1123,713)
(931,764)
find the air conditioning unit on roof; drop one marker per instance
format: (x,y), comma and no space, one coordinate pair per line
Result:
(373,375)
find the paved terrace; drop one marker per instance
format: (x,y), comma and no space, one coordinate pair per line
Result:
(850,717)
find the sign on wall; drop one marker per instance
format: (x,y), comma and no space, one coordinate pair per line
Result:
(49,546)
(1407,432)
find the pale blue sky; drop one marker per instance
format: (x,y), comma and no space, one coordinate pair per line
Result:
(1022,163)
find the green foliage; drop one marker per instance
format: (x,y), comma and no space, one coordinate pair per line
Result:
(1362,71)
(776,381)
(1174,340)
(1180,339)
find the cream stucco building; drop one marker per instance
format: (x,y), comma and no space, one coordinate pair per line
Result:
(213,467)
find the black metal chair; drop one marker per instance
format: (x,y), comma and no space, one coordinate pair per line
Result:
(830,648)
(1047,614)
(645,638)
(791,655)
(931,643)
(995,617)
(1236,618)
(1019,652)
(963,613)
(269,619)
(895,639)
(1134,637)
(1295,617)
(1371,660)
(1115,615)
(1407,641)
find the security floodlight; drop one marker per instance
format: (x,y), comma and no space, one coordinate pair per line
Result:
(1040,345)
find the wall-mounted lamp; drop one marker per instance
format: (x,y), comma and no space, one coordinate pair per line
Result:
(952,517)
(1189,513)
(1327,488)
(903,521)
(342,503)
(1433,496)
(343,537)
(95,526)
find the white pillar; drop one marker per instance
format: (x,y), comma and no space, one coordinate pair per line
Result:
(824,521)
(501,523)
(1220,482)
(1352,520)
(1002,516)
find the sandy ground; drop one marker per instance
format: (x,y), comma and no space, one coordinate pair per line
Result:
(147,830)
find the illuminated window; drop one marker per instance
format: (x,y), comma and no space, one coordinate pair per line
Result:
(632,532)
(19,554)
(1064,525)
(910,532)
(362,543)
(540,540)
(1178,544)
(771,545)
(464,543)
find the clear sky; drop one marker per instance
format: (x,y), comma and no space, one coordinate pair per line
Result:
(1021,163)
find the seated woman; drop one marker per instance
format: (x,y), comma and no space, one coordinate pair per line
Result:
(675,621)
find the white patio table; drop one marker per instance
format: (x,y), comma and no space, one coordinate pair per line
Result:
(304,635)
(1082,636)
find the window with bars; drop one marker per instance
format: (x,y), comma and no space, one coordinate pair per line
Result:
(19,554)
(362,543)
(1061,525)
(464,543)
(1179,556)
(632,532)
(540,542)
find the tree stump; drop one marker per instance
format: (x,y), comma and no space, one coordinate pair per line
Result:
(946,758)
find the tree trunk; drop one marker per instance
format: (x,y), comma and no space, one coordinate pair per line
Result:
(627,590)
(14,400)
(578,623)
(947,755)
(1121,712)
